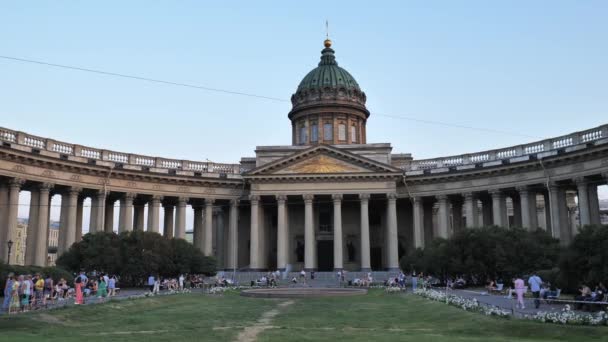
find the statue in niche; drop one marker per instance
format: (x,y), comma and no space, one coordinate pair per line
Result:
(350,249)
(300,250)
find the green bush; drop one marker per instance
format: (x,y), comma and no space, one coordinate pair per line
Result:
(585,261)
(485,253)
(133,256)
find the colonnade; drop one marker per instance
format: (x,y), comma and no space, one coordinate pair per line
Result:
(131,217)
(489,207)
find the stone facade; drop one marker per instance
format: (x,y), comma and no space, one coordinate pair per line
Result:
(317,205)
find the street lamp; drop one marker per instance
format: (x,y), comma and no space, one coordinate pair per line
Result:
(9,243)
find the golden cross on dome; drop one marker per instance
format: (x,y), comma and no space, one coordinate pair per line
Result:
(327,42)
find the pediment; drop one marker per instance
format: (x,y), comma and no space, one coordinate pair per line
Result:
(321,160)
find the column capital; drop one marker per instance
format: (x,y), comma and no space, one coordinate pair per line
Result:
(234,202)
(495,193)
(522,189)
(156,198)
(468,196)
(74,190)
(308,198)
(129,196)
(441,197)
(417,199)
(16,182)
(182,201)
(580,181)
(46,187)
(364,197)
(336,197)
(209,201)
(391,196)
(553,186)
(281,198)
(254,198)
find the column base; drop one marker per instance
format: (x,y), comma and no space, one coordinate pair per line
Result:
(393,269)
(338,269)
(310,270)
(365,269)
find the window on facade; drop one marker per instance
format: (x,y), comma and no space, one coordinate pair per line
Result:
(328,131)
(314,132)
(303,135)
(342,132)
(325,221)
(353,134)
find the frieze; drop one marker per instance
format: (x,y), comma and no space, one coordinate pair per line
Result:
(131,185)
(19,168)
(48,174)
(183,189)
(577,167)
(103,181)
(209,191)
(76,178)
(157,187)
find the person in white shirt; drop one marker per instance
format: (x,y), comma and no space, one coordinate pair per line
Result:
(535,283)
(181,281)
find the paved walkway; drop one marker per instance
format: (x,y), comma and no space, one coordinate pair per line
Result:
(507,303)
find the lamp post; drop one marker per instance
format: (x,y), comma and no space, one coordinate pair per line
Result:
(9,243)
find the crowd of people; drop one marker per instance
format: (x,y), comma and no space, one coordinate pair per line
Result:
(31,292)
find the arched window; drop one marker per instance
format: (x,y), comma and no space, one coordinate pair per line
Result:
(303,135)
(342,132)
(314,132)
(328,131)
(353,134)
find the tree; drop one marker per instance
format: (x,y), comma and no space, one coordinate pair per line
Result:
(135,255)
(483,253)
(585,261)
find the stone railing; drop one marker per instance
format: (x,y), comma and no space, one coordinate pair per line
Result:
(53,148)
(519,153)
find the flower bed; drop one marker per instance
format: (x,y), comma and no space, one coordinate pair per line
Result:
(567,316)
(463,303)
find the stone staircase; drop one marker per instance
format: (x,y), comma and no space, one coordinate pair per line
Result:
(328,279)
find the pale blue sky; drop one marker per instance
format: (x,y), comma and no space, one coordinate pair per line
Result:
(536,68)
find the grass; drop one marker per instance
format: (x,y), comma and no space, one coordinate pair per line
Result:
(374,317)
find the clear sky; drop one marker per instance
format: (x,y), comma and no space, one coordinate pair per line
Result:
(534,68)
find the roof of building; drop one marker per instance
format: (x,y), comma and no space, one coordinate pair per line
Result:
(328,74)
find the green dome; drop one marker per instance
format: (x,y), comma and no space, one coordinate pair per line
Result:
(328,75)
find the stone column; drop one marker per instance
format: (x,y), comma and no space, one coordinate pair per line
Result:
(79,213)
(533,210)
(14,187)
(594,204)
(208,247)
(418,223)
(254,244)
(365,246)
(168,224)
(282,232)
(63,218)
(32,227)
(154,214)
(126,213)
(41,244)
(583,201)
(138,216)
(233,238)
(108,223)
(180,218)
(470,209)
(96,219)
(197,234)
(557,204)
(393,237)
(497,207)
(526,208)
(220,237)
(3,220)
(72,215)
(309,234)
(443,216)
(338,253)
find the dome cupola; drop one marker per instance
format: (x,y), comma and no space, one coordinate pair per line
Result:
(328,106)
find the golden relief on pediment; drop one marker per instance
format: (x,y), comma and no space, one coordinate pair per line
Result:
(322,164)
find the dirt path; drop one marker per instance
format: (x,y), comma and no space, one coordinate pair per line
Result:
(250,333)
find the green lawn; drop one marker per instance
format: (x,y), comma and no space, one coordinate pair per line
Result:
(375,317)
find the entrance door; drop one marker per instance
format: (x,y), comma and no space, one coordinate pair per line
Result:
(325,255)
(376,258)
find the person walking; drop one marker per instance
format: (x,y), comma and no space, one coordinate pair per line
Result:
(14,302)
(518,284)
(102,291)
(181,282)
(151,282)
(414,281)
(535,283)
(112,286)
(78,288)
(8,289)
